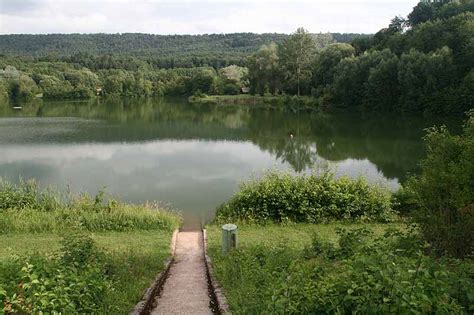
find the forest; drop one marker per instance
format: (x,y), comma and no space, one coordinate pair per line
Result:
(422,63)
(59,66)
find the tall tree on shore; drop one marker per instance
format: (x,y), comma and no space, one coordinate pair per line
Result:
(296,54)
(264,70)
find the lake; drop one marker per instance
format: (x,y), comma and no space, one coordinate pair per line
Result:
(192,158)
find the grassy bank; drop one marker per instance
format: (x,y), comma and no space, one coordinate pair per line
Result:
(338,269)
(272,101)
(78,254)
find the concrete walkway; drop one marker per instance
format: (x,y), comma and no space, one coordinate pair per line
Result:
(186,289)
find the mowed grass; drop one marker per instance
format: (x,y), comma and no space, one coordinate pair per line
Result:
(296,236)
(136,258)
(46,243)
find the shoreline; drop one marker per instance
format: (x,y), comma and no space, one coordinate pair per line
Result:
(273,101)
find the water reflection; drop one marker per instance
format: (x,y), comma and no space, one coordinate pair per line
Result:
(194,157)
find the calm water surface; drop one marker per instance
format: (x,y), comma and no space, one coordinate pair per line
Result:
(193,158)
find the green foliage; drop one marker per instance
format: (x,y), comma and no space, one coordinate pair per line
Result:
(25,208)
(26,195)
(234,74)
(295,55)
(129,262)
(264,70)
(360,274)
(326,60)
(443,194)
(73,281)
(415,65)
(281,197)
(420,64)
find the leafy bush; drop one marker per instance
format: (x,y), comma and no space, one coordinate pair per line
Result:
(73,281)
(281,197)
(21,196)
(358,274)
(380,277)
(443,194)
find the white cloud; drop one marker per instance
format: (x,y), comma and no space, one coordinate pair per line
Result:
(197,17)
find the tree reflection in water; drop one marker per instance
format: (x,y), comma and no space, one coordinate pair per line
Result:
(301,139)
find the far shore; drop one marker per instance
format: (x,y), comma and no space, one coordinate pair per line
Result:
(268,100)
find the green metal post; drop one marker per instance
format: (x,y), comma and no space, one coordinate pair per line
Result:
(229,237)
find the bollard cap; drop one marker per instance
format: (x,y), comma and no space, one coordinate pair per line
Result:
(229,227)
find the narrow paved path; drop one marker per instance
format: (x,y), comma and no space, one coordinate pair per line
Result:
(186,289)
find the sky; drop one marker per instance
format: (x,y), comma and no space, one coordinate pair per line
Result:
(197,17)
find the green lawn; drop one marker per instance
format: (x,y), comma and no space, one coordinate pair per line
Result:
(294,235)
(147,242)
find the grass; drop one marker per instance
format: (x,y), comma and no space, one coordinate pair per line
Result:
(276,246)
(85,214)
(136,258)
(26,208)
(319,268)
(304,102)
(132,240)
(46,243)
(297,236)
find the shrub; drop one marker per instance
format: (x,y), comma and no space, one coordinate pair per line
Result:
(21,196)
(26,195)
(443,194)
(73,281)
(358,275)
(379,283)
(320,247)
(281,197)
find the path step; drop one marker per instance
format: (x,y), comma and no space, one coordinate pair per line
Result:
(186,288)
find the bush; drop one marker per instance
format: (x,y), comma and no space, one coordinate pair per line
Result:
(359,274)
(383,276)
(73,281)
(379,283)
(281,197)
(443,194)
(27,195)
(231,89)
(21,196)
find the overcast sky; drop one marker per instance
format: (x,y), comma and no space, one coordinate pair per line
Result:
(197,17)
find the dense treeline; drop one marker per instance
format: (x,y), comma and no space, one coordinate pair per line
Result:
(162,51)
(422,63)
(81,66)
(23,79)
